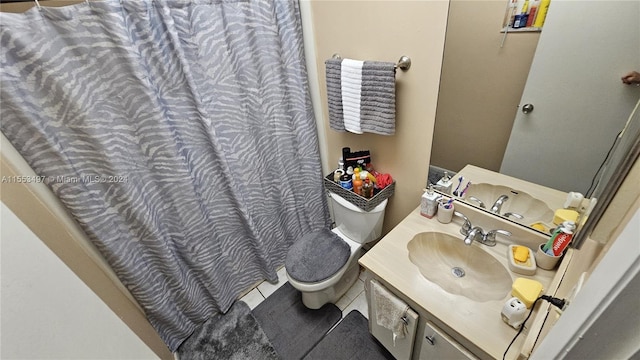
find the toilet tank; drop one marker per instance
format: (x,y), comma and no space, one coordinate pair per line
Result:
(358,225)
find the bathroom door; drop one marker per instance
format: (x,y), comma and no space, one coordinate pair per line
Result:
(579,102)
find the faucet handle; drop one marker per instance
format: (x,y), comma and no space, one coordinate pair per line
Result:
(489,238)
(466,226)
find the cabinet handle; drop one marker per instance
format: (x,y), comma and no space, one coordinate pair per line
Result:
(431,340)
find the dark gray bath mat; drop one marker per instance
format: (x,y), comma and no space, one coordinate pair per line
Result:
(234,335)
(350,340)
(290,326)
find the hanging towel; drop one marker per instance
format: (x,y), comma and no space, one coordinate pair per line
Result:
(390,311)
(351,81)
(378,98)
(334,94)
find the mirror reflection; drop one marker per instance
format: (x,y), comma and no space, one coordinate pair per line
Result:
(566,73)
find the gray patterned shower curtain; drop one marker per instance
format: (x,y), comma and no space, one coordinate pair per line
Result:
(179,134)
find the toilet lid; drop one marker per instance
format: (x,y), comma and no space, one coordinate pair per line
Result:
(317,256)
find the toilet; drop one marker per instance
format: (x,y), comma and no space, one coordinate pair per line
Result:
(323,264)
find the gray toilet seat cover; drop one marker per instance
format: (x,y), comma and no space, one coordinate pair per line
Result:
(316,256)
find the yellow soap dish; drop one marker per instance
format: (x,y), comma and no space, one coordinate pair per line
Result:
(521,260)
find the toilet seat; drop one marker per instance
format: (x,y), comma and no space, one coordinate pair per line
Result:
(317,256)
(356,227)
(321,285)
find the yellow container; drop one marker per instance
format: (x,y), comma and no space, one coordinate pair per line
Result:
(562,215)
(542,13)
(526,290)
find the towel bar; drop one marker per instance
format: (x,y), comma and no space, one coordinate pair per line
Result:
(404,63)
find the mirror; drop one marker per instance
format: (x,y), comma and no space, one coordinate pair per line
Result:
(482,85)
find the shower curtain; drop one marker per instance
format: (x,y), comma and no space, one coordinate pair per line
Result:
(179,134)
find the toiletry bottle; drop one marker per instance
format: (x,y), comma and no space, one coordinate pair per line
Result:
(339,171)
(367,189)
(445,184)
(357,181)
(521,19)
(532,13)
(542,13)
(513,9)
(345,155)
(563,239)
(345,179)
(346,182)
(429,203)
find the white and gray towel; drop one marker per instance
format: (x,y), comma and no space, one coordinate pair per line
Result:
(361,96)
(390,311)
(334,94)
(351,84)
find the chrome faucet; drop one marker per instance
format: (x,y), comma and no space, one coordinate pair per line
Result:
(515,215)
(498,204)
(473,198)
(466,225)
(489,238)
(475,233)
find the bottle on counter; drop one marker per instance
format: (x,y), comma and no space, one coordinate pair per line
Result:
(429,203)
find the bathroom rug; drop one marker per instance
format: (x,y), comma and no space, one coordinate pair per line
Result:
(350,340)
(292,328)
(235,335)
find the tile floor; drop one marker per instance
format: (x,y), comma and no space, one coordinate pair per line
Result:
(354,298)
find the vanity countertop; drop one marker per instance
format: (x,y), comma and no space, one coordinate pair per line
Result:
(477,322)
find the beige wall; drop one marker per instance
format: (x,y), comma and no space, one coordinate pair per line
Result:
(38,288)
(38,208)
(481,86)
(386,30)
(24,6)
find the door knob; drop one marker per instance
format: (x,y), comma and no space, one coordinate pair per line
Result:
(527,108)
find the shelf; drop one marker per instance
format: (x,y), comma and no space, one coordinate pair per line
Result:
(522,29)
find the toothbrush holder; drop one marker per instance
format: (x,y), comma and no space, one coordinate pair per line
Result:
(444,215)
(546,261)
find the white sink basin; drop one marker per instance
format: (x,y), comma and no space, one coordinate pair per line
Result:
(519,206)
(443,258)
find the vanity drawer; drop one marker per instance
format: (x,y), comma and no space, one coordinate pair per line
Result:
(438,345)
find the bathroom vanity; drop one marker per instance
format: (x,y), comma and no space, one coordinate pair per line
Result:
(457,317)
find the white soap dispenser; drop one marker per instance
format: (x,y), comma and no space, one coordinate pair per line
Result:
(429,203)
(445,184)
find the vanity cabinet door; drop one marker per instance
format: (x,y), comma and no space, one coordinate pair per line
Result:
(436,344)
